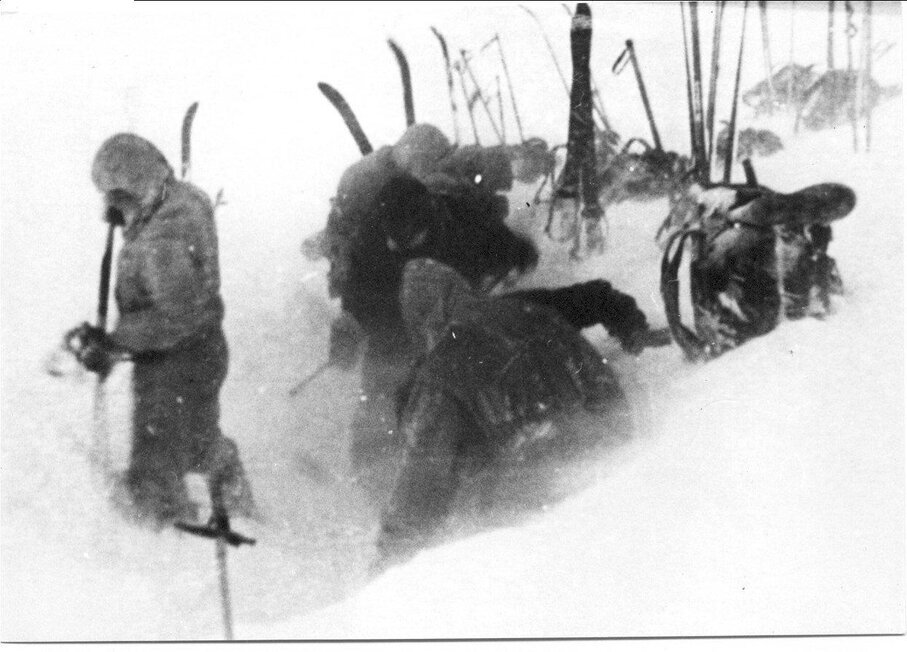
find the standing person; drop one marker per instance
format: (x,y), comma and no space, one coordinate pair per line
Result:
(170,325)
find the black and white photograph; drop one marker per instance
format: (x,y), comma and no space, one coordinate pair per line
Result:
(451,321)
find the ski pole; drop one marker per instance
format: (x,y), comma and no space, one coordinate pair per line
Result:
(497,82)
(407,83)
(732,126)
(481,96)
(557,65)
(302,384)
(830,54)
(472,118)
(450,83)
(100,445)
(866,104)
(629,53)
(767,54)
(713,80)
(516,111)
(851,29)
(686,64)
(790,77)
(701,162)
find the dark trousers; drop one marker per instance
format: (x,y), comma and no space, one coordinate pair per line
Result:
(176,423)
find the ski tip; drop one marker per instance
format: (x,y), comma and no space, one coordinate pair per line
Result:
(190,112)
(328,91)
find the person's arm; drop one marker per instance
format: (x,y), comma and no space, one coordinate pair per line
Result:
(594,302)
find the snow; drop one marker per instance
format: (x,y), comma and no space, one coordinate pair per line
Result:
(762,493)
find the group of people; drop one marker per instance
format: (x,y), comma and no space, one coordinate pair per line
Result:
(453,369)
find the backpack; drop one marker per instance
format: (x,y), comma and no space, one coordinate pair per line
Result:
(755,255)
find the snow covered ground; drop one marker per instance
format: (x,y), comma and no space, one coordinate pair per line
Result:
(763,493)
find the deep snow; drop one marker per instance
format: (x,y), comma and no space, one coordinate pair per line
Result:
(763,493)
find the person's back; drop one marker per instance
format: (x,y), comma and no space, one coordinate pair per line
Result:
(492,369)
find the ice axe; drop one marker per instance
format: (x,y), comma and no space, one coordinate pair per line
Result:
(100,444)
(218,528)
(346,335)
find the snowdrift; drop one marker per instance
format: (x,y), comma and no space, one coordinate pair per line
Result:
(762,493)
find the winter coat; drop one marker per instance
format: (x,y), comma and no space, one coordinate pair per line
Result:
(168,279)
(464,180)
(506,361)
(498,377)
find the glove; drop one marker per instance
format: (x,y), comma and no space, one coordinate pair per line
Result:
(632,332)
(634,342)
(92,348)
(346,334)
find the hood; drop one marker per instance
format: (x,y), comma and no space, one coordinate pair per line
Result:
(420,150)
(431,293)
(130,164)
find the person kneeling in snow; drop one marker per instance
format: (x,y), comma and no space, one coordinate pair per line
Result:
(170,313)
(496,372)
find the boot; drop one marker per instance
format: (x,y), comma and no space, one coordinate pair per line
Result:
(152,504)
(224,466)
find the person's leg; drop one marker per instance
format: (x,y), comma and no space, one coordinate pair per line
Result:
(373,431)
(426,485)
(204,447)
(154,478)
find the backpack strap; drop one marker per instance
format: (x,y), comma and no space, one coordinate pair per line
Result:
(693,347)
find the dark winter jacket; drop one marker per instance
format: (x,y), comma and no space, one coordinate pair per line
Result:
(407,221)
(506,361)
(465,220)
